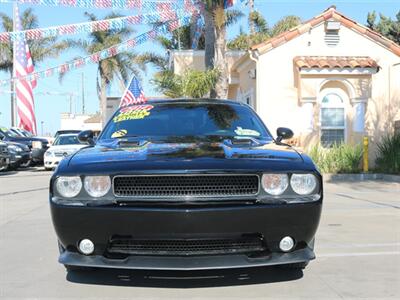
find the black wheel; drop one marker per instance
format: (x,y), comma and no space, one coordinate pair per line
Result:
(296,266)
(26,164)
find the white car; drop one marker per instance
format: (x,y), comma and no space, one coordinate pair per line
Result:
(64,145)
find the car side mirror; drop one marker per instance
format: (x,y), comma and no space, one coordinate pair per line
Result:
(86,137)
(283,133)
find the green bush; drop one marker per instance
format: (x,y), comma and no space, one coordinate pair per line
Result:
(388,156)
(342,158)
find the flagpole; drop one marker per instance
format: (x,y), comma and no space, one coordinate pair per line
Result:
(13,100)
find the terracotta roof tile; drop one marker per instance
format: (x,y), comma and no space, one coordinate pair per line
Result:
(330,13)
(331,62)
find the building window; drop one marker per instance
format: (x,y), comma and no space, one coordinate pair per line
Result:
(332,120)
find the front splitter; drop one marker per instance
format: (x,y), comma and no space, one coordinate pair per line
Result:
(186,263)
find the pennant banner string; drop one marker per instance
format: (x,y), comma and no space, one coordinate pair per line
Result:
(106,53)
(88,27)
(107,4)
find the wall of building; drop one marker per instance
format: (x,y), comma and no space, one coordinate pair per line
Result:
(194,59)
(278,100)
(77,122)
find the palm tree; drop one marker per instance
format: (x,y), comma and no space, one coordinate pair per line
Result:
(217,20)
(262,32)
(40,49)
(119,67)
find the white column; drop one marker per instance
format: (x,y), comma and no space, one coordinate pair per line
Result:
(307,117)
(359,117)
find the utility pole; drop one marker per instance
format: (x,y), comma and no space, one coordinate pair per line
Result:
(83,94)
(251,22)
(12,83)
(70,103)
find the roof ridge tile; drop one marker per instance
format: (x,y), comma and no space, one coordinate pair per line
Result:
(331,12)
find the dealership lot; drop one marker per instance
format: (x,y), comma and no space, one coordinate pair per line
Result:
(357,247)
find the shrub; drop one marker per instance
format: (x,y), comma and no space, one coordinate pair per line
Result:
(342,158)
(388,156)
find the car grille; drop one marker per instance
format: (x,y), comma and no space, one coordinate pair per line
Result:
(61,154)
(187,247)
(186,186)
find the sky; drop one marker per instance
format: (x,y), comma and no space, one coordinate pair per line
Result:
(48,107)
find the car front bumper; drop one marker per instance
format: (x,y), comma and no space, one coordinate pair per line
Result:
(186,263)
(38,154)
(52,162)
(100,224)
(4,161)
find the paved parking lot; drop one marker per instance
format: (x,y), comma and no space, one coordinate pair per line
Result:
(357,247)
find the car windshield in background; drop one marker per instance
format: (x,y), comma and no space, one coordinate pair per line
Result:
(66,140)
(9,133)
(185,120)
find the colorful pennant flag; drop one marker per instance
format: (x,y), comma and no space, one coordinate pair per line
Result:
(106,53)
(89,27)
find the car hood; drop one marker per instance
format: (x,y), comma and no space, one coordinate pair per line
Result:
(198,155)
(66,148)
(26,140)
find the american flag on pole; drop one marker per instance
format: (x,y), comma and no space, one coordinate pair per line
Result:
(23,88)
(133,94)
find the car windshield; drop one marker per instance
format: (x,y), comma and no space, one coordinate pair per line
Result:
(185,120)
(9,133)
(66,140)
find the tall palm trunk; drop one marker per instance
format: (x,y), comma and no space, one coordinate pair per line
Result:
(251,22)
(12,100)
(220,63)
(103,100)
(209,34)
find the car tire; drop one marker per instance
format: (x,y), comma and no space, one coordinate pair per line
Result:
(48,169)
(296,266)
(26,164)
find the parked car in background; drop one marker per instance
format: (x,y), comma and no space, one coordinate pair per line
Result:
(4,156)
(20,155)
(64,145)
(67,131)
(37,146)
(21,132)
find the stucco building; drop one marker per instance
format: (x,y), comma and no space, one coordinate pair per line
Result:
(329,79)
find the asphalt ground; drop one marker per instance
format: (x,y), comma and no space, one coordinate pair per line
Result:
(357,247)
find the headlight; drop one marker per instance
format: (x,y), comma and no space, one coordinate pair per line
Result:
(14,148)
(303,184)
(275,184)
(69,186)
(49,154)
(37,144)
(97,186)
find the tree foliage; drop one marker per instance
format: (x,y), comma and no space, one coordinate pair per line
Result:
(263,32)
(40,49)
(192,84)
(117,68)
(385,25)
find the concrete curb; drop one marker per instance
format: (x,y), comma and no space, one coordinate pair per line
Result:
(361,177)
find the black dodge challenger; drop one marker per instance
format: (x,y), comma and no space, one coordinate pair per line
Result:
(186,185)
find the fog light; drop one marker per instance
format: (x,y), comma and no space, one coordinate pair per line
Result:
(286,244)
(86,246)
